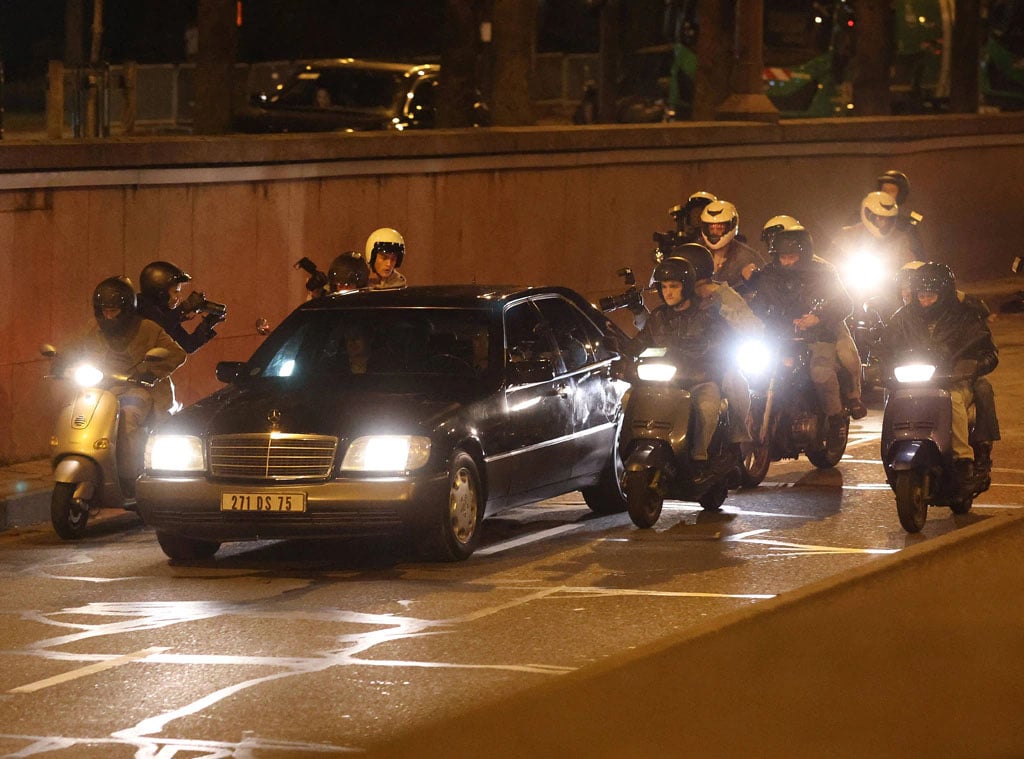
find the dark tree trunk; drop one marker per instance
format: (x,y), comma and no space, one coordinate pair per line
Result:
(874,44)
(515,25)
(460,50)
(714,57)
(964,86)
(215,61)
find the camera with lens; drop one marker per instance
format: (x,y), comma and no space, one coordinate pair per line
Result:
(196,303)
(632,298)
(317,279)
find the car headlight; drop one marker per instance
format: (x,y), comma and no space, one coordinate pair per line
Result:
(386,453)
(175,453)
(914,372)
(753,358)
(86,375)
(655,371)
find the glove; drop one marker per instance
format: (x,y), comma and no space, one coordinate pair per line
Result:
(212,320)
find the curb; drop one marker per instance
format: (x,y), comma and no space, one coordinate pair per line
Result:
(21,510)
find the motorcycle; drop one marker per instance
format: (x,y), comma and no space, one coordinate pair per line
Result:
(917,441)
(870,283)
(84,446)
(785,415)
(654,441)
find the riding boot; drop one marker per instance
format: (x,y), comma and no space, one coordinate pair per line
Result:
(983,457)
(966,478)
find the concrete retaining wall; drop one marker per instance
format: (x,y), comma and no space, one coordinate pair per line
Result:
(544,205)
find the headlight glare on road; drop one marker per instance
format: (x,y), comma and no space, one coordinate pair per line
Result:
(386,453)
(175,453)
(914,372)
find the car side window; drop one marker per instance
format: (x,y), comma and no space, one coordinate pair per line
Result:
(579,340)
(527,337)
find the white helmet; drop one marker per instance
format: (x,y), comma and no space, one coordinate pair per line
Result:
(878,212)
(776,224)
(385,240)
(719,212)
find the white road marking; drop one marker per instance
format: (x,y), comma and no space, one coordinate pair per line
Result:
(88,670)
(803,548)
(526,539)
(873,437)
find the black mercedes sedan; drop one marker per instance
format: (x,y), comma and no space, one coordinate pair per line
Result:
(422,409)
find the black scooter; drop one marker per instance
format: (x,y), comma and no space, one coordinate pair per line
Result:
(655,442)
(917,441)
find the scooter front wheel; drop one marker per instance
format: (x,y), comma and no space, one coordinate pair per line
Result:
(68,516)
(642,500)
(910,487)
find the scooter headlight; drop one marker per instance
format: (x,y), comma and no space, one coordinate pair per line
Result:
(753,358)
(914,372)
(175,453)
(655,371)
(86,375)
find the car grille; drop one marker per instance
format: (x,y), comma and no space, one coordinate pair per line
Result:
(272,457)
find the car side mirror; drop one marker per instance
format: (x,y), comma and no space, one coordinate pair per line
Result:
(229,371)
(530,372)
(47,350)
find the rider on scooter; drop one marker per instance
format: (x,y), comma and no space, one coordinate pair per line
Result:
(935,320)
(802,294)
(118,340)
(159,300)
(986,425)
(702,339)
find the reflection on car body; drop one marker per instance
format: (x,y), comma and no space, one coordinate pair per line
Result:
(346,94)
(425,408)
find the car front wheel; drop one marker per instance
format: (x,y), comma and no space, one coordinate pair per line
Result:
(456,532)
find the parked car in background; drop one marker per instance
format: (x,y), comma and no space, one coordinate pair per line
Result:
(422,409)
(345,94)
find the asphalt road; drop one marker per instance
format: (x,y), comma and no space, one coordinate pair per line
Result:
(294,649)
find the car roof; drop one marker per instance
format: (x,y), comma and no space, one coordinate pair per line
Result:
(437,296)
(397,67)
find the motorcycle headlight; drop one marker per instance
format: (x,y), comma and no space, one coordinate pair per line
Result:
(753,358)
(655,371)
(914,372)
(865,272)
(86,375)
(386,453)
(175,453)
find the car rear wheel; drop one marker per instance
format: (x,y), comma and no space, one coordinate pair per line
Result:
(456,533)
(180,548)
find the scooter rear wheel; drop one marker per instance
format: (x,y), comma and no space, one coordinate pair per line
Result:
(643,502)
(67,516)
(910,487)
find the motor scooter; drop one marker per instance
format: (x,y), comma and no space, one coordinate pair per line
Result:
(655,443)
(917,441)
(84,446)
(786,418)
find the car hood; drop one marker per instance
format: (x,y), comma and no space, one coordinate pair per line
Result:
(304,408)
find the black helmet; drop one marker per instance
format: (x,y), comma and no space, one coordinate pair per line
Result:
(796,241)
(348,271)
(158,277)
(114,292)
(675,270)
(936,278)
(699,258)
(897,178)
(683,213)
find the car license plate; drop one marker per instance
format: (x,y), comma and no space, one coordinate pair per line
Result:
(289,502)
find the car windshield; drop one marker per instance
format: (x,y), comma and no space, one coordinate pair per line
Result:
(329,344)
(342,87)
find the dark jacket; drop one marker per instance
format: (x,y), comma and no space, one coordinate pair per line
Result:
(783,295)
(730,262)
(700,340)
(951,332)
(170,319)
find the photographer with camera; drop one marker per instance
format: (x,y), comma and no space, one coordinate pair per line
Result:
(159,301)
